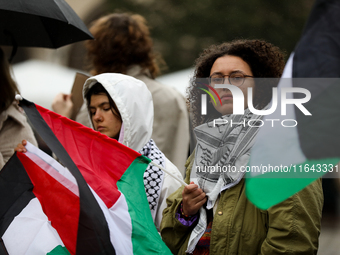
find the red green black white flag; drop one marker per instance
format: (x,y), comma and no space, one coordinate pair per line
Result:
(94,203)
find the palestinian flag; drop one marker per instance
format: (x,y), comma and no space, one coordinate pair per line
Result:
(296,156)
(99,209)
(26,180)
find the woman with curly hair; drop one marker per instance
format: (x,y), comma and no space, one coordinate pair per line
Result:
(212,215)
(264,59)
(121,40)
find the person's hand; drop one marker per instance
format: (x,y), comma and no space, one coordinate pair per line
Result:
(193,199)
(63,105)
(21,146)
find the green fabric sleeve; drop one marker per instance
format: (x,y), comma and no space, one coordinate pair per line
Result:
(294,224)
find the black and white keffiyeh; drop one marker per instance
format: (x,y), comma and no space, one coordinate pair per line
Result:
(153,176)
(220,152)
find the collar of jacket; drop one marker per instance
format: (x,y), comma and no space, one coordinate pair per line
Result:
(13,112)
(135,70)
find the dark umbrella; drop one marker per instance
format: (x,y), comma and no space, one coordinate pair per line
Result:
(40,23)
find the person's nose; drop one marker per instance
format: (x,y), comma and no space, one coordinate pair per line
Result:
(98,116)
(218,90)
(226,82)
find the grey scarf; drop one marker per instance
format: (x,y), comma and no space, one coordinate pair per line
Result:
(221,150)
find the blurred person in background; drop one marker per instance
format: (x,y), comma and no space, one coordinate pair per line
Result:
(212,215)
(13,124)
(123,45)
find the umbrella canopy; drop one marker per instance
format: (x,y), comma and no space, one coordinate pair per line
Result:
(40,23)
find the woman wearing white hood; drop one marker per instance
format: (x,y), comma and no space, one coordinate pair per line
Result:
(121,107)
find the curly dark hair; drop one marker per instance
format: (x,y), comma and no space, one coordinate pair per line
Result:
(265,61)
(8,87)
(121,40)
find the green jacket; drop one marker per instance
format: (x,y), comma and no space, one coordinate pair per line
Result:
(291,227)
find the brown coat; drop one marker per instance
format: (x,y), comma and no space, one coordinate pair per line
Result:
(171,119)
(13,129)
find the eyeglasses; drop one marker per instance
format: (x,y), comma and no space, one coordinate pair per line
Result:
(235,78)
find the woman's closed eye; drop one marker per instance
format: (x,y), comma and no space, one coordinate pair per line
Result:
(92,112)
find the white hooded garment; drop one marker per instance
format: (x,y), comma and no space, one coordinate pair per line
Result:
(134,102)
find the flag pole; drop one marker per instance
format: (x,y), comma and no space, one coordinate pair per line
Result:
(171,174)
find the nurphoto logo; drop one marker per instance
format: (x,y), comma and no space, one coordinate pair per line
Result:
(238,100)
(238,103)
